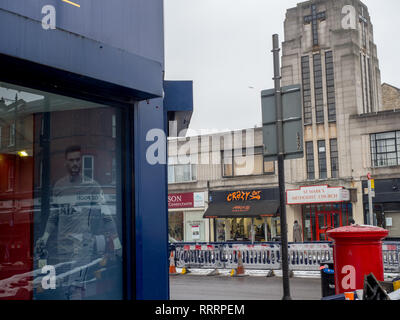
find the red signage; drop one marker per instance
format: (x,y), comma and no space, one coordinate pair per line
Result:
(180,200)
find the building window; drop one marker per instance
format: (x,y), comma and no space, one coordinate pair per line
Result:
(11,142)
(113,171)
(40,174)
(334,158)
(269,167)
(113,126)
(366,84)
(371,94)
(385,149)
(310,160)
(319,95)
(330,85)
(180,173)
(322,159)
(307,106)
(175,226)
(88,168)
(11,179)
(236,164)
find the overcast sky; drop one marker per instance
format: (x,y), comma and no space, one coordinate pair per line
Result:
(224,46)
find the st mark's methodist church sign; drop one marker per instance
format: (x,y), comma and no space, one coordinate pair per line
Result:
(317,194)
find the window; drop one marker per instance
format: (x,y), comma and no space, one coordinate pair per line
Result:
(366,83)
(362,82)
(371,94)
(330,86)
(11,179)
(113,171)
(310,160)
(385,149)
(40,177)
(368,106)
(53,215)
(236,164)
(114,126)
(319,97)
(175,226)
(180,173)
(88,168)
(334,158)
(11,142)
(322,159)
(307,107)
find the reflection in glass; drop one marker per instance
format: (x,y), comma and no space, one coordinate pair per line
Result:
(60,204)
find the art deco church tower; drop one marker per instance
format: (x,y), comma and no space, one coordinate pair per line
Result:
(329,48)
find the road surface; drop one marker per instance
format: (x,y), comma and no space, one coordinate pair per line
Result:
(197,287)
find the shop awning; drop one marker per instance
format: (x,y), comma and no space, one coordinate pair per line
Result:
(250,209)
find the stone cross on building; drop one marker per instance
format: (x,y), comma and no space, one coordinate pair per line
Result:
(314,18)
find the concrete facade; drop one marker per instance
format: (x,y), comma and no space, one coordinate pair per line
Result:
(357,87)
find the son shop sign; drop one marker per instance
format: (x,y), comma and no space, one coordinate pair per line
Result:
(186,200)
(317,194)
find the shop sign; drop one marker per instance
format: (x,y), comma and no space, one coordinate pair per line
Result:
(241,208)
(198,199)
(317,194)
(243,196)
(186,200)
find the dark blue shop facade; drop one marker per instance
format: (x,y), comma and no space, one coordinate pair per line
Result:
(83,212)
(386,205)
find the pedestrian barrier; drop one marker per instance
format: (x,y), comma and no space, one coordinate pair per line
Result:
(391,256)
(267,255)
(206,256)
(309,256)
(263,256)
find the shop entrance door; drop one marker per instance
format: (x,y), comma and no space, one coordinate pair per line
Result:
(327,221)
(318,219)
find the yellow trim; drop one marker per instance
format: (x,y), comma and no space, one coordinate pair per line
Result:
(73,3)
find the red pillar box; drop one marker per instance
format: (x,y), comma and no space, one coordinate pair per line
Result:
(357,252)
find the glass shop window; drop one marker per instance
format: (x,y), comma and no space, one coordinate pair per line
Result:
(175,226)
(60,219)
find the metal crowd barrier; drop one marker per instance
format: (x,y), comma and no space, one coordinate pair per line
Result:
(267,255)
(391,256)
(255,256)
(198,256)
(309,256)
